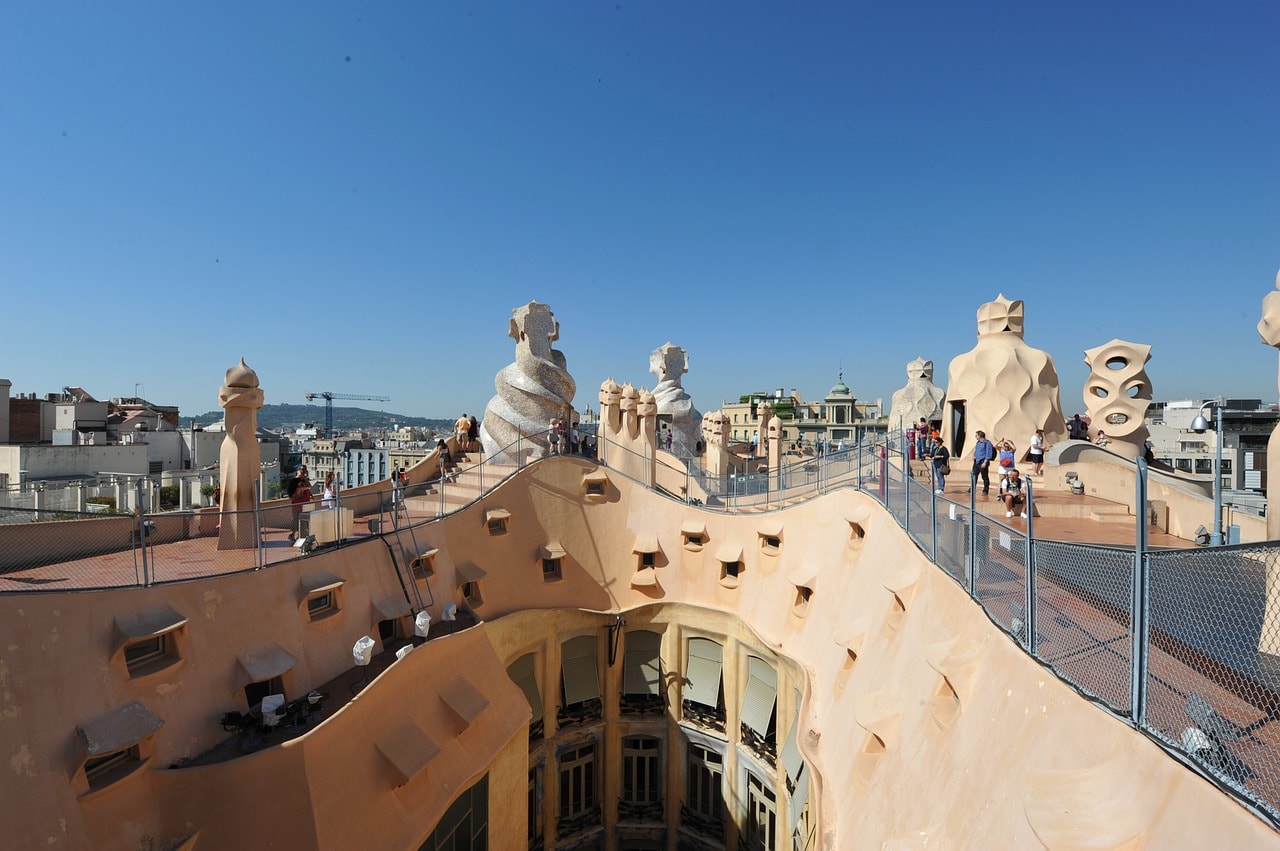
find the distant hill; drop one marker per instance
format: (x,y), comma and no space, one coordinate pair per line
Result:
(273,417)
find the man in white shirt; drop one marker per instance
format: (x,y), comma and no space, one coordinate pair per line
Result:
(1012,493)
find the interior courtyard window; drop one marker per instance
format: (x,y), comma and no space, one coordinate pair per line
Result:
(465,824)
(761,829)
(523,672)
(703,809)
(759,709)
(579,804)
(579,682)
(642,674)
(704,686)
(641,779)
(103,770)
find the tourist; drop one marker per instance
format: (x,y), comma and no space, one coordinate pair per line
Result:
(301,496)
(575,439)
(1076,428)
(461,427)
(923,444)
(1035,452)
(1005,457)
(1012,495)
(553,436)
(941,458)
(330,497)
(473,435)
(983,454)
(668,440)
(1102,439)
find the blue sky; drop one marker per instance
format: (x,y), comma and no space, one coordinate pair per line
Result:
(353,197)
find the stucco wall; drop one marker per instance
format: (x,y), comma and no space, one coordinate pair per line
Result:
(47,462)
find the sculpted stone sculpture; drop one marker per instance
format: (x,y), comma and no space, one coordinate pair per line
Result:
(715,437)
(668,363)
(534,390)
(920,398)
(1117,394)
(240,460)
(627,435)
(1002,386)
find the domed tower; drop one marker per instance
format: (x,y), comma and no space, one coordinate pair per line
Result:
(840,411)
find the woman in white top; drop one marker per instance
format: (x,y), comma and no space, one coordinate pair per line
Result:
(1035,452)
(330,498)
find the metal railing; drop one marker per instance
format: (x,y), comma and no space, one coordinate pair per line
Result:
(1179,643)
(109,548)
(1175,642)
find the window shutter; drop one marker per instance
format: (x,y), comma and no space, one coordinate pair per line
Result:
(642,670)
(760,695)
(799,798)
(578,668)
(523,672)
(702,674)
(791,757)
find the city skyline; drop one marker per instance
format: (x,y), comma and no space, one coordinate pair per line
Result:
(354,201)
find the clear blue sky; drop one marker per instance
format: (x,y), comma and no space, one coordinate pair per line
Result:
(354,196)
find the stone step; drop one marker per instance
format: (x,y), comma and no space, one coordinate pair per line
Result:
(1111,514)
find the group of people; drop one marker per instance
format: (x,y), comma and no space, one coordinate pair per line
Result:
(565,439)
(467,431)
(1078,429)
(300,494)
(1003,453)
(922,437)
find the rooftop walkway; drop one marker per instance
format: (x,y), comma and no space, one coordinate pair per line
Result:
(1058,517)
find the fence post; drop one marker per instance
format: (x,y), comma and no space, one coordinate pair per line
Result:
(906,494)
(933,511)
(973,534)
(257,521)
(1031,573)
(1138,615)
(142,534)
(858,460)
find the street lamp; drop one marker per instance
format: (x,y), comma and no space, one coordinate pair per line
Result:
(1199,425)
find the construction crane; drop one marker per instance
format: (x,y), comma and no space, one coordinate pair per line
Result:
(328,405)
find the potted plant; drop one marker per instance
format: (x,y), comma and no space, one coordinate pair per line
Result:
(207,491)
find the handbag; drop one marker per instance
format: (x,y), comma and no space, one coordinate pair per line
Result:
(945,469)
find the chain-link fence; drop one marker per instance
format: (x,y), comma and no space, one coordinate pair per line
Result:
(1084,601)
(1212,683)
